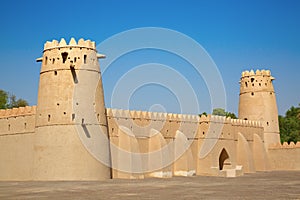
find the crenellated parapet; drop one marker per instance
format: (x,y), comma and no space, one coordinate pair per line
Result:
(60,55)
(15,112)
(246,123)
(285,145)
(72,43)
(252,82)
(145,115)
(17,120)
(258,72)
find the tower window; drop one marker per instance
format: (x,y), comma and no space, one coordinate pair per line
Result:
(46,60)
(84,59)
(64,56)
(246,84)
(75,59)
(53,60)
(252,80)
(252,93)
(55,73)
(49,116)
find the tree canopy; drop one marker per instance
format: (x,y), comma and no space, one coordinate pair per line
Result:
(8,100)
(222,112)
(289,125)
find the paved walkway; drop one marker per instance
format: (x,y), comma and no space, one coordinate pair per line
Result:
(262,185)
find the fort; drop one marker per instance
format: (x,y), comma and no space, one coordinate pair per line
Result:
(70,135)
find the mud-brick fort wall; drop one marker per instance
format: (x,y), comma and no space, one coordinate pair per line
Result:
(285,156)
(138,138)
(17,128)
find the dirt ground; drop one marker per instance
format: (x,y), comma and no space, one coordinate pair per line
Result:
(262,185)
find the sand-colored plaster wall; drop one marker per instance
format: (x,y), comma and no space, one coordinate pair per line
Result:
(284,157)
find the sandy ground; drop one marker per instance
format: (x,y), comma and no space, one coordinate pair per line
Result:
(262,185)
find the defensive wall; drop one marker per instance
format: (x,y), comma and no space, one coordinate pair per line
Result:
(285,156)
(143,133)
(182,138)
(17,128)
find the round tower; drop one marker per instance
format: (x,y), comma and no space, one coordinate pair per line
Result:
(71,114)
(258,102)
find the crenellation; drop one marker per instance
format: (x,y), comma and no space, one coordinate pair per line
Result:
(72,43)
(145,115)
(109,112)
(14,112)
(217,119)
(284,145)
(126,114)
(62,43)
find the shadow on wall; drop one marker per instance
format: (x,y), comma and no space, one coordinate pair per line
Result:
(224,161)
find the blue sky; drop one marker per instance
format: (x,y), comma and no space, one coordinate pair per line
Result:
(238,35)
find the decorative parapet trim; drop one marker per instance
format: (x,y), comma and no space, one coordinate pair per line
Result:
(81,44)
(15,112)
(285,145)
(257,73)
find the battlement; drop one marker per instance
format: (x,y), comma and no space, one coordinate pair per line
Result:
(257,73)
(248,123)
(137,114)
(145,115)
(285,145)
(63,44)
(261,80)
(21,111)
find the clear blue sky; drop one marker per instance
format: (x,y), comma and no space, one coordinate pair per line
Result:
(238,35)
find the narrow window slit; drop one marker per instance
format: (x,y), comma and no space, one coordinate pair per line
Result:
(64,56)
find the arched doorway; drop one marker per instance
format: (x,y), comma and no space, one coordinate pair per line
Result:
(224,161)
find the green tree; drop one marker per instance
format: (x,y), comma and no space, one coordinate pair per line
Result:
(289,125)
(231,115)
(222,112)
(204,113)
(10,101)
(3,99)
(219,111)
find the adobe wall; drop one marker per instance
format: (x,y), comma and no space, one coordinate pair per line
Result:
(285,156)
(17,127)
(147,144)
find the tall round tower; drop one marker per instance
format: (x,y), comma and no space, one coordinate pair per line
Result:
(258,102)
(71,141)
